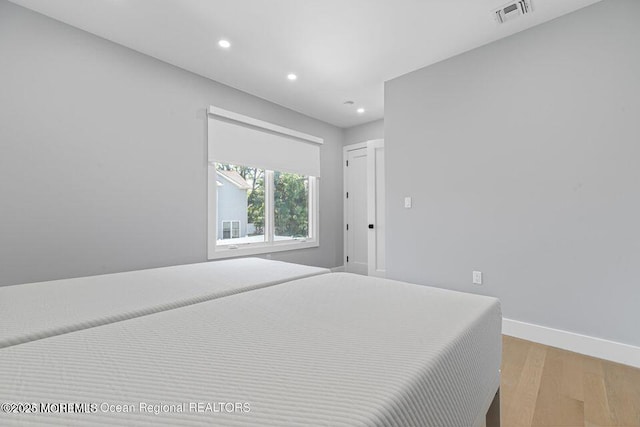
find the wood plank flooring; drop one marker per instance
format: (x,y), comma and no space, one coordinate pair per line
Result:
(546,386)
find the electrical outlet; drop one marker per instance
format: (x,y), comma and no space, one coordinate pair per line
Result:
(477,277)
(407,202)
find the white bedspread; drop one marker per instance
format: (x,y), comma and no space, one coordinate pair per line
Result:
(39,310)
(334,350)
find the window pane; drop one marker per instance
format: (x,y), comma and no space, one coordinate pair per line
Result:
(291,205)
(240,204)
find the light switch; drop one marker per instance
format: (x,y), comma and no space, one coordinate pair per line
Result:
(407,202)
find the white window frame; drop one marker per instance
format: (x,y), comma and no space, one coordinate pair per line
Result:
(229,250)
(215,251)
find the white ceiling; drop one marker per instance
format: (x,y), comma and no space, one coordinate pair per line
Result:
(340,49)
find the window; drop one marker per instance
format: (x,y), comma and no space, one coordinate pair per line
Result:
(239,194)
(245,192)
(226,229)
(291,206)
(263,187)
(230,230)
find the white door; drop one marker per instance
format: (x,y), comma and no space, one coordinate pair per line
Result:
(356,215)
(365,208)
(376,207)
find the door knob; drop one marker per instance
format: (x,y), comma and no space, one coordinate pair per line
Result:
(370,225)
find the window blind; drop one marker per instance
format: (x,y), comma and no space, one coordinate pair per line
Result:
(241,140)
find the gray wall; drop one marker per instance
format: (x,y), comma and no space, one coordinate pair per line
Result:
(522,158)
(102,156)
(364,132)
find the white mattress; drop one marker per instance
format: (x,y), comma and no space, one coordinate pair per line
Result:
(334,350)
(39,310)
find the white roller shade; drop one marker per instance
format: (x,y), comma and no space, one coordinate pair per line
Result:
(241,140)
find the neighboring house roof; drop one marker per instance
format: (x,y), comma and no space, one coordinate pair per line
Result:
(235,178)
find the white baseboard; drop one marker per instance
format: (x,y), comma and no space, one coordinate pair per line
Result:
(338,269)
(583,344)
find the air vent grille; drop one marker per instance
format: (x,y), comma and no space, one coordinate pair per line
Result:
(513,10)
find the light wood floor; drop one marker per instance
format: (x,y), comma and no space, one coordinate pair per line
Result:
(546,386)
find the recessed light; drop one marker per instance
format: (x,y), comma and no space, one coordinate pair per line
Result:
(360,110)
(292,77)
(225,44)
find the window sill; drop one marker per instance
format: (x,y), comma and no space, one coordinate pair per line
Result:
(220,252)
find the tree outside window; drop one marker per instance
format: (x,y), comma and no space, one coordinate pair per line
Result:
(290,196)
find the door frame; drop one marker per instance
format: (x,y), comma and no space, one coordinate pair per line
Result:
(345,157)
(373,169)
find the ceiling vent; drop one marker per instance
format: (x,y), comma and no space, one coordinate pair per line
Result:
(513,10)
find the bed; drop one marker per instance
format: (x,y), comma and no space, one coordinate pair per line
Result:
(40,310)
(334,349)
